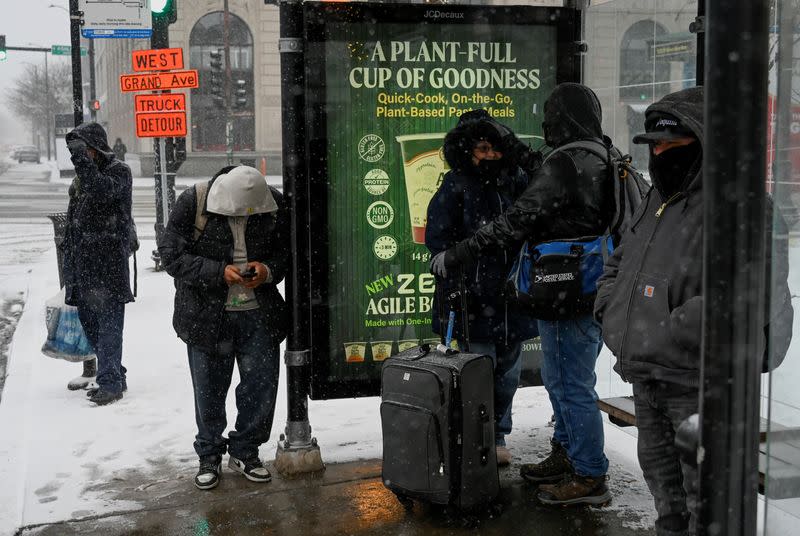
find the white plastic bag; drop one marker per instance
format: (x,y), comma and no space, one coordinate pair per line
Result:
(65,336)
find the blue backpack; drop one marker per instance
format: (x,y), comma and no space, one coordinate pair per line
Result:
(557,279)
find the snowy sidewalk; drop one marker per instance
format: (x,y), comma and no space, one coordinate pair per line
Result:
(63,459)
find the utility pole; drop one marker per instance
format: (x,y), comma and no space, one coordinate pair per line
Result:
(48,115)
(92,90)
(226,40)
(77,80)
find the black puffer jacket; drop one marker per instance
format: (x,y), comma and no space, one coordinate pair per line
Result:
(649,298)
(467,199)
(95,247)
(198,267)
(571,194)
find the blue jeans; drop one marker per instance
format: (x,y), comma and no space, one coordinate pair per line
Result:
(245,340)
(102,320)
(507,366)
(570,349)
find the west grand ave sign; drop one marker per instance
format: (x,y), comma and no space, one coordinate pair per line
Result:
(159,81)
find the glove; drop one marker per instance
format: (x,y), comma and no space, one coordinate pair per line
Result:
(76,145)
(450,259)
(521,154)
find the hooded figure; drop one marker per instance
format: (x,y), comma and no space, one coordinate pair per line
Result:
(569,196)
(481,185)
(227,246)
(95,252)
(650,302)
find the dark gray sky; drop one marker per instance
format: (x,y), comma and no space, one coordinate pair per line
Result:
(28,23)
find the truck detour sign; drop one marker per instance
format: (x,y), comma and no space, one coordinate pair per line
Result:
(161,125)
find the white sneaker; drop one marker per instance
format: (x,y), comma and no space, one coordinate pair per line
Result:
(504,456)
(252,469)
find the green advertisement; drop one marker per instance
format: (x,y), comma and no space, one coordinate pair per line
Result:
(392,92)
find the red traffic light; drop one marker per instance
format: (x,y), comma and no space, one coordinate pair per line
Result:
(95,105)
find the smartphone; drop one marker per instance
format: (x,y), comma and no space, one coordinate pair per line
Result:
(249,274)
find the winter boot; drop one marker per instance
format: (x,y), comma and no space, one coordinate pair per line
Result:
(102,397)
(207,476)
(576,489)
(84,380)
(251,468)
(552,469)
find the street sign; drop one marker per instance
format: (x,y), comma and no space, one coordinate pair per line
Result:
(163,59)
(65,50)
(63,123)
(116,18)
(171,102)
(159,125)
(157,81)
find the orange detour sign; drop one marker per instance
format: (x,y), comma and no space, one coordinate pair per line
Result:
(156,81)
(167,102)
(160,125)
(162,59)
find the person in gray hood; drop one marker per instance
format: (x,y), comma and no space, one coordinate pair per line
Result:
(227,246)
(650,301)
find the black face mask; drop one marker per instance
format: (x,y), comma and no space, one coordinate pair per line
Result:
(547,133)
(669,170)
(490,168)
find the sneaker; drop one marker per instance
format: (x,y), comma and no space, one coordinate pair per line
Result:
(503,456)
(576,489)
(552,469)
(103,398)
(81,382)
(92,388)
(207,476)
(252,469)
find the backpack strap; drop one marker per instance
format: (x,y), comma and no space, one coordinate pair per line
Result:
(200,219)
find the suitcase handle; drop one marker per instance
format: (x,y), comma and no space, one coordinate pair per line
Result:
(486,432)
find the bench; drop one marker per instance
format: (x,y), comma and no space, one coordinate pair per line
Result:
(783,455)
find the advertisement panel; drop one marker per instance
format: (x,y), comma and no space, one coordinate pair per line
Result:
(384,85)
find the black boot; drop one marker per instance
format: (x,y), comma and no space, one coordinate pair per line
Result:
(552,469)
(84,380)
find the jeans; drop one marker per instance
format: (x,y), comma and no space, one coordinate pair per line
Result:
(570,349)
(507,366)
(102,320)
(245,340)
(660,408)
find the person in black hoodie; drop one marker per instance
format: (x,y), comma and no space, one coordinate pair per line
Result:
(95,252)
(481,185)
(650,302)
(569,196)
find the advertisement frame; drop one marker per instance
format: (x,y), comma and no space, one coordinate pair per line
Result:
(317,17)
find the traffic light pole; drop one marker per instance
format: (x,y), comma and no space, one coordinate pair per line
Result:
(226,39)
(77,80)
(164,165)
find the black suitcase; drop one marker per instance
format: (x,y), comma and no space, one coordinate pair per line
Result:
(437,416)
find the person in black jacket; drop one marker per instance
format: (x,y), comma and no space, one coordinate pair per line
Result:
(569,196)
(95,252)
(480,186)
(227,261)
(650,302)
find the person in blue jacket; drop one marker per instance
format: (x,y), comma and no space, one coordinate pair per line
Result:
(481,185)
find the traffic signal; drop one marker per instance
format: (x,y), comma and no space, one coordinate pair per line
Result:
(3,53)
(164,10)
(240,94)
(216,78)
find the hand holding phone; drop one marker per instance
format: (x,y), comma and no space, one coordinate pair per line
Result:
(249,274)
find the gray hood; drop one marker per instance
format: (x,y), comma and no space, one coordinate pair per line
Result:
(242,191)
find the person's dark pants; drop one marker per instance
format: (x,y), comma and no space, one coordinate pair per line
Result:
(102,321)
(507,367)
(660,408)
(245,340)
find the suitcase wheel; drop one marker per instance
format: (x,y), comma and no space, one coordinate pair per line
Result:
(406,501)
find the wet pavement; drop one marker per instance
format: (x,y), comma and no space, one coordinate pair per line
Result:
(347,499)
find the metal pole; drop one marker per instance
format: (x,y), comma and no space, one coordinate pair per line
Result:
(162,151)
(733,264)
(92,91)
(700,63)
(298,452)
(226,39)
(77,79)
(48,115)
